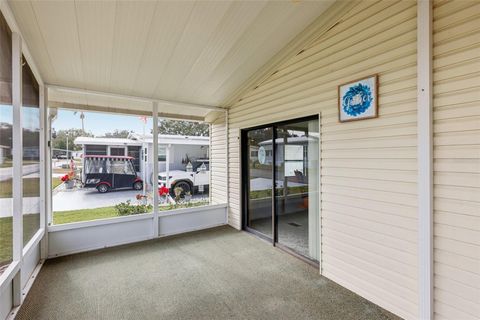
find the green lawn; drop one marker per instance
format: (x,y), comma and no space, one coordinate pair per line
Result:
(56,182)
(31,188)
(260,194)
(61,217)
(31,224)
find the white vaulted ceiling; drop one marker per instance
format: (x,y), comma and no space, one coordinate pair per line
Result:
(189,51)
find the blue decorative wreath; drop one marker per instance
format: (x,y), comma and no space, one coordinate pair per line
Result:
(357,100)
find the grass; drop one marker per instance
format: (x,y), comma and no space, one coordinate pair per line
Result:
(267,193)
(61,217)
(31,224)
(31,188)
(56,182)
(9,163)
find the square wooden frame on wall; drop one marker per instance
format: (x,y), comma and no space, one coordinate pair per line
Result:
(376,98)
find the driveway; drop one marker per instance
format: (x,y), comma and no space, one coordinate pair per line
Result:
(90,198)
(29,171)
(65,200)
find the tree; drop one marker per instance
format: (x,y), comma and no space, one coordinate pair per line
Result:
(59,140)
(185,128)
(117,134)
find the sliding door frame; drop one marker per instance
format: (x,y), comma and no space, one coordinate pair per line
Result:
(245,187)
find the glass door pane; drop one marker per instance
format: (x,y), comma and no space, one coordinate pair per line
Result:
(260,180)
(296,191)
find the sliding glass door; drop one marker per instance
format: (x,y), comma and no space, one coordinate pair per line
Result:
(287,211)
(296,192)
(259,180)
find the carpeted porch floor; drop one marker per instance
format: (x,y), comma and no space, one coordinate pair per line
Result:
(214,274)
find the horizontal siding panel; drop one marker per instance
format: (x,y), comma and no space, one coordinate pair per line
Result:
(371,205)
(375,272)
(372,195)
(467,278)
(463,291)
(457,152)
(447,311)
(398,269)
(457,206)
(456,193)
(456,233)
(368,168)
(384,164)
(458,179)
(369,289)
(371,174)
(371,215)
(395,249)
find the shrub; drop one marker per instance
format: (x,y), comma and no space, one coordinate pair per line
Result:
(126,208)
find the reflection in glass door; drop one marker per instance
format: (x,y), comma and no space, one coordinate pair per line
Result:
(290,217)
(259,180)
(296,192)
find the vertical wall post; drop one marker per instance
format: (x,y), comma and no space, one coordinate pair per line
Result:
(425,158)
(227,151)
(155,170)
(17,151)
(45,180)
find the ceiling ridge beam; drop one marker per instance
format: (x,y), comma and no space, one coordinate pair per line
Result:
(321,24)
(112,110)
(134,98)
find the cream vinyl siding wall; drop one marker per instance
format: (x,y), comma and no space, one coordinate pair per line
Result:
(368,174)
(218,161)
(456,159)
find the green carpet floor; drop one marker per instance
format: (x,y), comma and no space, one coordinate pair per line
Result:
(215,274)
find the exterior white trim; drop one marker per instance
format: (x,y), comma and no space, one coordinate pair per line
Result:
(10,18)
(7,276)
(425,156)
(191,210)
(163,103)
(17,151)
(320,251)
(26,289)
(98,222)
(228,161)
(45,181)
(34,241)
(155,168)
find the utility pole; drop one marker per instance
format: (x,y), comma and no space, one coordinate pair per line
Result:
(82,117)
(67,144)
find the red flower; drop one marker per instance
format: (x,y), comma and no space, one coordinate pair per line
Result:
(65,178)
(163,191)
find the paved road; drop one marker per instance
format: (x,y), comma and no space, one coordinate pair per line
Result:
(29,170)
(30,205)
(91,198)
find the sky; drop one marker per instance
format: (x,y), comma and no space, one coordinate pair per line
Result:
(100,123)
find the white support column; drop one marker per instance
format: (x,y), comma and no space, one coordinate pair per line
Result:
(51,114)
(45,180)
(227,163)
(425,162)
(210,163)
(167,164)
(155,169)
(17,152)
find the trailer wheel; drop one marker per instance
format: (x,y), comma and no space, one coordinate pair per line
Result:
(103,188)
(138,185)
(186,187)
